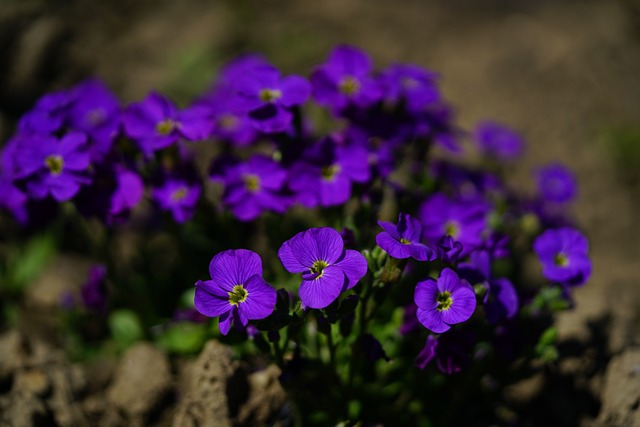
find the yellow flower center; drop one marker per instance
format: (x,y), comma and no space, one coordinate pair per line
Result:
(330,172)
(452,228)
(409,83)
(405,241)
(444,300)
(55,164)
(349,86)
(270,95)
(561,260)
(165,127)
(318,267)
(228,122)
(95,117)
(179,194)
(237,295)
(251,182)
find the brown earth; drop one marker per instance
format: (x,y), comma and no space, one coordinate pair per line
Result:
(561,72)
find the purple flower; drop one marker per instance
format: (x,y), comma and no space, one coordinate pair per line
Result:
(230,121)
(48,115)
(444,302)
(563,255)
(94,290)
(501,300)
(556,184)
(449,250)
(403,240)
(96,111)
(12,199)
(327,268)
(410,322)
(49,165)
(325,175)
(155,123)
(345,80)
(236,290)
(412,84)
(464,221)
(255,186)
(127,194)
(267,97)
(179,197)
(496,140)
(382,155)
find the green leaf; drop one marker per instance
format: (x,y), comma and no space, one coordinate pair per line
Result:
(183,338)
(25,265)
(125,327)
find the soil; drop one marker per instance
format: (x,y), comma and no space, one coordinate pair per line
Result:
(560,72)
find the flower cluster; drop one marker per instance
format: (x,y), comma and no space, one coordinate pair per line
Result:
(419,233)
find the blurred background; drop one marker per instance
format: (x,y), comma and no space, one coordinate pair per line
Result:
(566,74)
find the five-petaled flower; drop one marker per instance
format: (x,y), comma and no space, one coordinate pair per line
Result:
(444,302)
(327,268)
(236,292)
(563,254)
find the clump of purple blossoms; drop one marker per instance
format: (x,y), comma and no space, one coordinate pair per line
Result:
(444,302)
(236,292)
(563,253)
(327,268)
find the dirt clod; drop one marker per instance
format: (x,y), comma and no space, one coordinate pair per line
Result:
(141,382)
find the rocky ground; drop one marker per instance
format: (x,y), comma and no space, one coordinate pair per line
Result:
(561,72)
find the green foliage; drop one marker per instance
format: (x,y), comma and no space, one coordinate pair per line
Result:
(183,338)
(623,144)
(25,263)
(125,328)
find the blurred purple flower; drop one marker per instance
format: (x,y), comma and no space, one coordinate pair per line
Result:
(498,141)
(451,351)
(412,84)
(48,165)
(501,300)
(94,290)
(463,221)
(324,177)
(155,123)
(96,111)
(178,197)
(254,186)
(267,97)
(563,255)
(344,79)
(556,184)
